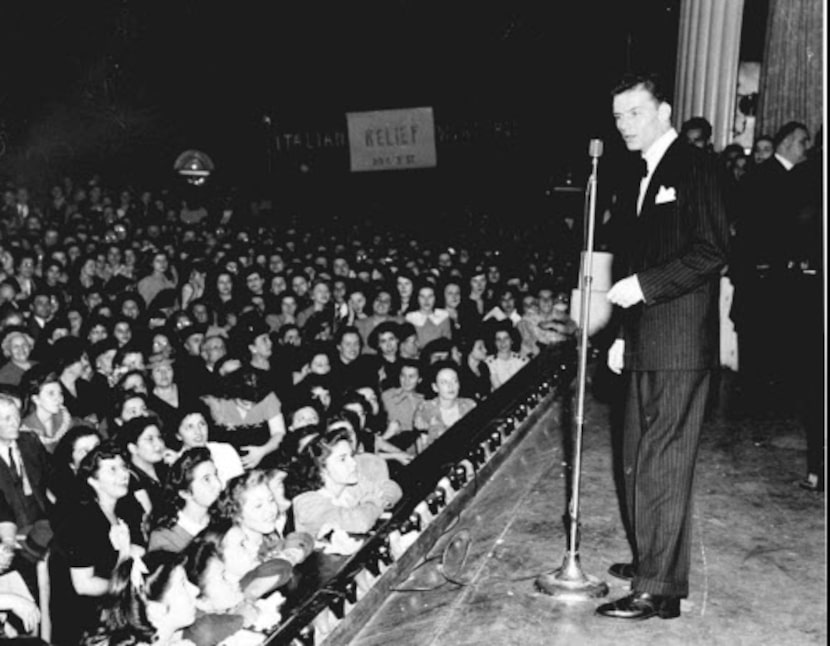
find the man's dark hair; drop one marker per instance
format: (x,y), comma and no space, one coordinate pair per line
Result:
(697,123)
(786,130)
(650,82)
(343,331)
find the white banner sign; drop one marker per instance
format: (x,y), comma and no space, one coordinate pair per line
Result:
(392,139)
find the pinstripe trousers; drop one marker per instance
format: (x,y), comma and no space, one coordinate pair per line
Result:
(663,418)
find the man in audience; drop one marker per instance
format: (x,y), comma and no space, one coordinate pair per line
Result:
(761,257)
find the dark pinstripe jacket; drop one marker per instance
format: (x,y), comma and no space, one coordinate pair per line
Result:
(677,247)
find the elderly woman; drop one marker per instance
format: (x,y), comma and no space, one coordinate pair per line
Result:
(17,348)
(335,496)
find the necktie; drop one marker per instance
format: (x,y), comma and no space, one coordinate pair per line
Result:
(13,462)
(643,172)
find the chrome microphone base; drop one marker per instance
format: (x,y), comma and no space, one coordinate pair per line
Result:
(569,582)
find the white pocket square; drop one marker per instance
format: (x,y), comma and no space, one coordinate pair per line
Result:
(665,194)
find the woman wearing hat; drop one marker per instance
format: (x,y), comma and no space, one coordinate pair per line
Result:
(167,398)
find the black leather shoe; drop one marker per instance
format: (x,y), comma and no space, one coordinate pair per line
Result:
(625,571)
(641,605)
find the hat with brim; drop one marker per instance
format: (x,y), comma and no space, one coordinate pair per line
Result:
(189,330)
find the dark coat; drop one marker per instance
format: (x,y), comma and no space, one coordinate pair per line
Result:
(677,248)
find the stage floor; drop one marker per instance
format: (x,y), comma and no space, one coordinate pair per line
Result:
(758,562)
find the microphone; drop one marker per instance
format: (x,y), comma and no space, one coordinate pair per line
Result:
(595,148)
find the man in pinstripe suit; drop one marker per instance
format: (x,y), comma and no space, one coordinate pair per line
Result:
(674,251)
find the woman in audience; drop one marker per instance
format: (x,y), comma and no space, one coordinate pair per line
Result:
(472,308)
(167,397)
(430,323)
(367,439)
(67,488)
(401,403)
(162,342)
(84,277)
(434,416)
(127,405)
(315,360)
(334,496)
(381,306)
(451,293)
(248,508)
(143,443)
(191,430)
(191,487)
(384,340)
(45,414)
(152,610)
(106,530)
(72,364)
(405,287)
(122,329)
(286,311)
(504,360)
(475,375)
(246,407)
(222,609)
(194,288)
(131,305)
(134,380)
(95,329)
(221,296)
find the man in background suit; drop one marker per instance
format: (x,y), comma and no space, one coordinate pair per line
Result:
(674,250)
(767,248)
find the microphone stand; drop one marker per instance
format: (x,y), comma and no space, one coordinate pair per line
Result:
(569,581)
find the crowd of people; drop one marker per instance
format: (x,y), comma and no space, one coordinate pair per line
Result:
(194,399)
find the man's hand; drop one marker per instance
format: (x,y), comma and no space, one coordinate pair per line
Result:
(626,292)
(615,356)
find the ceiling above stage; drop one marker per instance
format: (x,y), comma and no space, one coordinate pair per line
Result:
(211,71)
